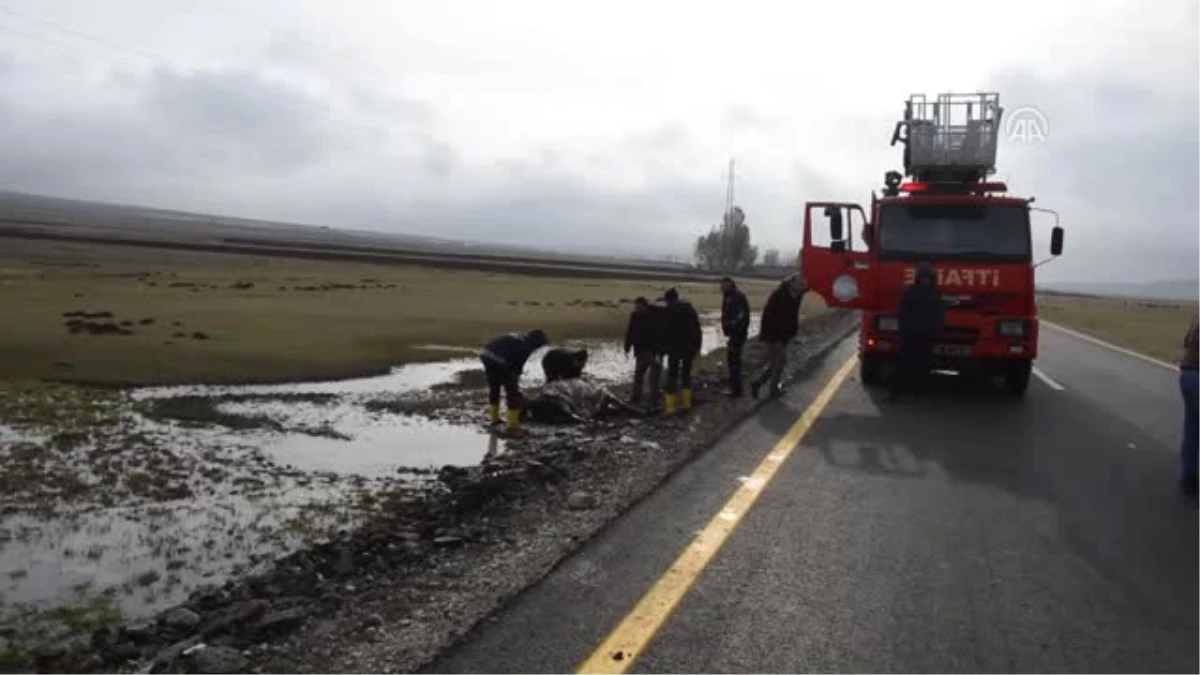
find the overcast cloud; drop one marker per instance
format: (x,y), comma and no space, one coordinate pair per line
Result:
(601,127)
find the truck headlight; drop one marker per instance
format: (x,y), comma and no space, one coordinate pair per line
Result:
(887,324)
(1013,328)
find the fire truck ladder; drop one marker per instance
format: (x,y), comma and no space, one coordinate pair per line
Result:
(951,139)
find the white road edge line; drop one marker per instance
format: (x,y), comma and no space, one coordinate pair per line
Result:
(1048,380)
(1108,345)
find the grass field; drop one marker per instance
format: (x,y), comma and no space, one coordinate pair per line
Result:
(1154,328)
(151,316)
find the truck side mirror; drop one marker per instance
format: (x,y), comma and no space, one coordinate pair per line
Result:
(1056,240)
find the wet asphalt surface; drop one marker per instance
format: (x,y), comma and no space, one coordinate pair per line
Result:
(963,532)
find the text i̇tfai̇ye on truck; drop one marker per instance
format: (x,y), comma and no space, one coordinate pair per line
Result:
(977,240)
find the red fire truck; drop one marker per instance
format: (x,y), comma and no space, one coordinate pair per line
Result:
(977,240)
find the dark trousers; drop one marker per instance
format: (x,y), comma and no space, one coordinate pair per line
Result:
(777,354)
(1190,443)
(500,376)
(647,362)
(679,372)
(916,360)
(733,356)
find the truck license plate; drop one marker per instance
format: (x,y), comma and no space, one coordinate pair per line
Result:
(952,350)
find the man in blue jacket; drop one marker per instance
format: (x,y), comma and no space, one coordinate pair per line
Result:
(504,360)
(735,324)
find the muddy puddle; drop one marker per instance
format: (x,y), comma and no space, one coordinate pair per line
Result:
(146,557)
(196,484)
(342,434)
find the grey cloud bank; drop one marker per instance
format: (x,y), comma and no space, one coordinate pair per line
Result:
(499,145)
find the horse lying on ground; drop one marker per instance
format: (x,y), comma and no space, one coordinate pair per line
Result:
(575,401)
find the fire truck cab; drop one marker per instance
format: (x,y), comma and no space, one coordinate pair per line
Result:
(977,239)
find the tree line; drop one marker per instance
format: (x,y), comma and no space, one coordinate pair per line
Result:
(727,247)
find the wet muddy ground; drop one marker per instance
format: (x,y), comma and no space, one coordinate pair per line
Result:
(363,567)
(146,496)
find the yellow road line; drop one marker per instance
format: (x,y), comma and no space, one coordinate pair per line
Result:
(618,651)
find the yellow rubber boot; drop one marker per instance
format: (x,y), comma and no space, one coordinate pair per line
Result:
(494,414)
(669,403)
(514,420)
(687,400)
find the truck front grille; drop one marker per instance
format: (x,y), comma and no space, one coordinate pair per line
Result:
(959,335)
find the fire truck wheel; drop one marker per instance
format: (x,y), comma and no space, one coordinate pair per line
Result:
(869,370)
(1016,380)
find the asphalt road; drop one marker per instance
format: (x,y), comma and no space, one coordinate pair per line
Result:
(963,532)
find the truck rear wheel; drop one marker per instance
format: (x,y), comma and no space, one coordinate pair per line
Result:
(1016,379)
(869,370)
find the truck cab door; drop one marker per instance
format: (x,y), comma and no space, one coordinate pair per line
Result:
(834,257)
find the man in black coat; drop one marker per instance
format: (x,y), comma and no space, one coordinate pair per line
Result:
(780,325)
(735,324)
(644,335)
(683,337)
(504,360)
(564,364)
(920,320)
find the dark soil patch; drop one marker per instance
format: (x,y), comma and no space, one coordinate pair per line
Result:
(203,410)
(474,378)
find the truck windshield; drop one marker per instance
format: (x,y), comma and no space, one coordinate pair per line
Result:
(985,232)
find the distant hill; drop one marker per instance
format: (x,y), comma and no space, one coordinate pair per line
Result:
(59,214)
(1176,289)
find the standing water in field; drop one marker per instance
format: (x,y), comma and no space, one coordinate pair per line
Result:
(195,484)
(340,425)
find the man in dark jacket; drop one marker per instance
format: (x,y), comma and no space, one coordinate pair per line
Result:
(920,320)
(735,324)
(504,360)
(644,336)
(683,337)
(780,325)
(564,364)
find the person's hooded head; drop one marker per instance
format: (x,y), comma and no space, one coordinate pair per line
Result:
(671,296)
(925,275)
(536,338)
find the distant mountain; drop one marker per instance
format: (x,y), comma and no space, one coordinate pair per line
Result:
(1175,289)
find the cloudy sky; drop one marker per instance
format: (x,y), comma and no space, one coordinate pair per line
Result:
(598,126)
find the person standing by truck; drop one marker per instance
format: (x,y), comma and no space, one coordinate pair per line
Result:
(920,319)
(1190,443)
(735,324)
(683,337)
(504,360)
(779,326)
(644,336)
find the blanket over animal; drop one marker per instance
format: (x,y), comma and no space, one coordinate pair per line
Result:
(573,400)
